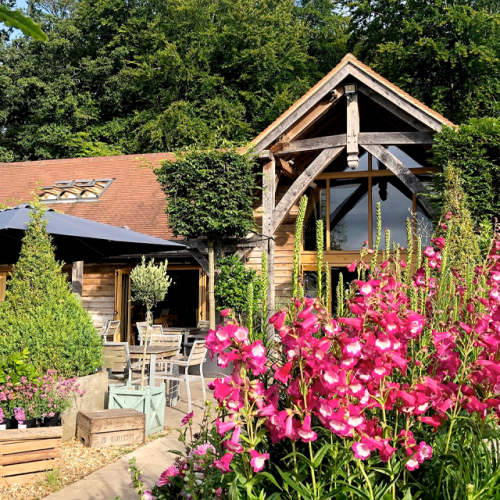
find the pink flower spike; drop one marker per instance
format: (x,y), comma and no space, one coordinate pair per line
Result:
(223,463)
(305,432)
(361,451)
(258,460)
(283,374)
(223,427)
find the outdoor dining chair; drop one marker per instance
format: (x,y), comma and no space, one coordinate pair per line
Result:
(111,332)
(200,333)
(195,358)
(166,340)
(141,328)
(116,360)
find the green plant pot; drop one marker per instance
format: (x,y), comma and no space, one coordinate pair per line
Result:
(150,401)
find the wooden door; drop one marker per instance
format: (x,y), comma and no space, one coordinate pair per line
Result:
(123,303)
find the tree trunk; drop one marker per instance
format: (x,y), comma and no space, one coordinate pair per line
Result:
(211,285)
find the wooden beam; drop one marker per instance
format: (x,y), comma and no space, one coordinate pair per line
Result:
(301,184)
(396,138)
(402,172)
(299,111)
(314,115)
(394,103)
(287,169)
(265,155)
(332,141)
(352,131)
(268,202)
(77,278)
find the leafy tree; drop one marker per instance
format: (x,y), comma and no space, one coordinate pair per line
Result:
(233,280)
(209,195)
(127,76)
(474,151)
(446,53)
(41,314)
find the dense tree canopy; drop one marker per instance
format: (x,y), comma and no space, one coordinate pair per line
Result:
(129,76)
(443,52)
(138,76)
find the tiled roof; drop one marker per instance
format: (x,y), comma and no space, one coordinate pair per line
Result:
(350,59)
(133,199)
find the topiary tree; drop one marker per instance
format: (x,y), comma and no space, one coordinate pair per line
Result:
(462,244)
(149,284)
(42,315)
(209,194)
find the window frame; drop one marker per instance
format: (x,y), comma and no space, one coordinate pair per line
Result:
(369,174)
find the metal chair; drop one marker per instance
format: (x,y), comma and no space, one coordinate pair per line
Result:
(195,358)
(116,360)
(111,332)
(141,328)
(166,340)
(200,333)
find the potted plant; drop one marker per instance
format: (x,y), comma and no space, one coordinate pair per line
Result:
(149,285)
(54,396)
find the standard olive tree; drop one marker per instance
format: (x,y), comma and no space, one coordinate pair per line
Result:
(209,194)
(149,284)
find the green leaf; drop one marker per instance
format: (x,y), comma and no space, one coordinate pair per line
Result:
(16,19)
(297,487)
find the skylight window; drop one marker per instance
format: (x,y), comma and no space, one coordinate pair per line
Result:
(74,191)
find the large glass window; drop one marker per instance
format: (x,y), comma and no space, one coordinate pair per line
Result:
(346,201)
(348,213)
(316,210)
(396,204)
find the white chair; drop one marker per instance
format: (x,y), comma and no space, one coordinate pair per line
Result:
(166,340)
(195,358)
(116,360)
(111,332)
(141,328)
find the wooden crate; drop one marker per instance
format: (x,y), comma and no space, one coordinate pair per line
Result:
(26,454)
(100,429)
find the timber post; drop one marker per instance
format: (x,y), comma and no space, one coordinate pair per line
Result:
(268,203)
(77,278)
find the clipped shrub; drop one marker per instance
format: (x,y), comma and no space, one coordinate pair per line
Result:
(41,314)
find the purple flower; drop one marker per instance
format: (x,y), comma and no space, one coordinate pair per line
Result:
(187,419)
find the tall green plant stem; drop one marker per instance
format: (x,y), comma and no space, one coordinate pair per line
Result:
(250,299)
(265,283)
(299,226)
(311,454)
(320,249)
(367,479)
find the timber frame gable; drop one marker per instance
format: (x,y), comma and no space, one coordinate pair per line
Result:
(350,112)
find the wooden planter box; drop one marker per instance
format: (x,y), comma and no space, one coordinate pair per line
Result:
(150,401)
(26,454)
(100,429)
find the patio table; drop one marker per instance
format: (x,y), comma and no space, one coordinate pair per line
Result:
(152,352)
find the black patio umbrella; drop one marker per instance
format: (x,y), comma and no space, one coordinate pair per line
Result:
(75,238)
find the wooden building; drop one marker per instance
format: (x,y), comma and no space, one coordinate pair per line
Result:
(354,139)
